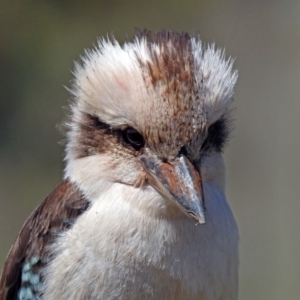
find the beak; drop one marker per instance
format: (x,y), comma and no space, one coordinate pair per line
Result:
(179,182)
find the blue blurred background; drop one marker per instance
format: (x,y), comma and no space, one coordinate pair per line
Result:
(39,41)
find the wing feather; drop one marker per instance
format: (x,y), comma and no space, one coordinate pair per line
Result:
(56,214)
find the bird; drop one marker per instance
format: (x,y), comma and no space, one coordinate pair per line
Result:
(141,211)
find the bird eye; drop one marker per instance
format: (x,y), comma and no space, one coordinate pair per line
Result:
(134,138)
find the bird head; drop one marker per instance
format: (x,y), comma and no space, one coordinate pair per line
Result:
(151,114)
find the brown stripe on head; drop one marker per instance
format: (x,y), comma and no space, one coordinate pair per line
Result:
(170,80)
(174,63)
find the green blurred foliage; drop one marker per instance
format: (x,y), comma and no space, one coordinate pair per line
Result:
(39,40)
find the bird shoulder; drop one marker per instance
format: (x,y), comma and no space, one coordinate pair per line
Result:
(29,254)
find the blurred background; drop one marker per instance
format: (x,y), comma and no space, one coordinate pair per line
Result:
(39,41)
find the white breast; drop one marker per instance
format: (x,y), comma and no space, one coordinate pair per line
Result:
(120,250)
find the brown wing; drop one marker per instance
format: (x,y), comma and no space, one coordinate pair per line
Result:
(55,215)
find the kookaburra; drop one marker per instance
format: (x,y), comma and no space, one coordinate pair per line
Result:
(141,212)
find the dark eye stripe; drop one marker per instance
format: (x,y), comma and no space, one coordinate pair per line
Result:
(96,123)
(216,137)
(96,136)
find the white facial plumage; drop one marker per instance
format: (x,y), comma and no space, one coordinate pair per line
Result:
(170,90)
